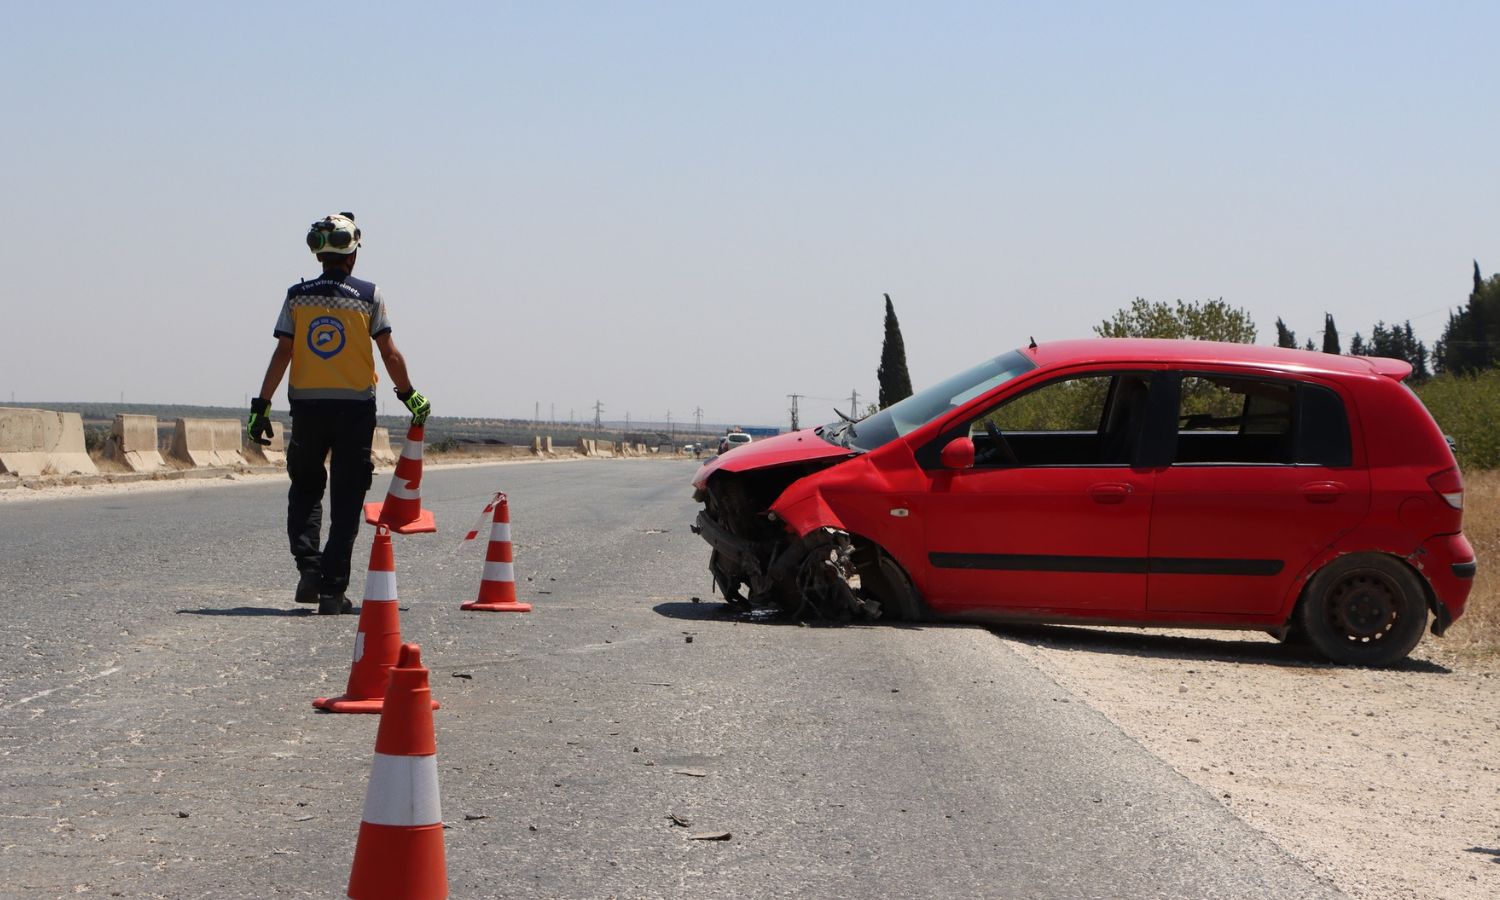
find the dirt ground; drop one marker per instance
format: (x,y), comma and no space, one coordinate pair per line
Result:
(1387,782)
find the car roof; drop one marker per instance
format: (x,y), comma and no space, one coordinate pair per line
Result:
(1178,352)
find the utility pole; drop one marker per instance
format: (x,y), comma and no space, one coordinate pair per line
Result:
(671,433)
(854,404)
(536,414)
(795,398)
(698,419)
(598,408)
(552,412)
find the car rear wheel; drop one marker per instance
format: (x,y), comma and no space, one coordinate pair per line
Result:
(1364,609)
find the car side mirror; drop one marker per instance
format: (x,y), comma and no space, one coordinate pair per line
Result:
(958,454)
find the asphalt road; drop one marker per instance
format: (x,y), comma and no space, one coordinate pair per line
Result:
(157,739)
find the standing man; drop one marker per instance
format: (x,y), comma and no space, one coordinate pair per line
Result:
(324,333)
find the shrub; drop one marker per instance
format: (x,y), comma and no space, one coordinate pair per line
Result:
(1467,408)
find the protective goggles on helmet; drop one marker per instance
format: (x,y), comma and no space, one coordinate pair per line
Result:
(336,234)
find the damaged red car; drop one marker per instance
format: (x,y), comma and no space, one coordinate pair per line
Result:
(1107,481)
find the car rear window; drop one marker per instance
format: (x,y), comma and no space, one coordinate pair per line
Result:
(1228,420)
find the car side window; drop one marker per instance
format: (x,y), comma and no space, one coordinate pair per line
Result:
(1323,428)
(1081,421)
(1229,420)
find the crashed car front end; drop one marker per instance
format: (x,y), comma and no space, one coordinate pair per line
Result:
(760,561)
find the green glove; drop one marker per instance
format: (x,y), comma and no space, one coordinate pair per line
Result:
(420,406)
(258,427)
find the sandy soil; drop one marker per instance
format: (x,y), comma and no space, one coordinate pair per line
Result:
(1387,781)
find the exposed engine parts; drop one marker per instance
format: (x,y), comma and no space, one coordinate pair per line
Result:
(828,575)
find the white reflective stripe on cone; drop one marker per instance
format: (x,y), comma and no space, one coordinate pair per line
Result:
(414,448)
(499,571)
(359,646)
(403,791)
(401,489)
(380,585)
(500,531)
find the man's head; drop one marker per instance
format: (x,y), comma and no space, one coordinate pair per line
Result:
(335,240)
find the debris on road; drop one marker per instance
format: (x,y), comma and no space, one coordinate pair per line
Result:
(677,820)
(470,817)
(463,675)
(692,773)
(710,836)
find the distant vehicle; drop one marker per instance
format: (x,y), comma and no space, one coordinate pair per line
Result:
(733,439)
(1139,482)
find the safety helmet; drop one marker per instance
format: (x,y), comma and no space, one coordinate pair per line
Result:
(334,234)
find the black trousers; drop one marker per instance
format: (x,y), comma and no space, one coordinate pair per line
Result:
(341,431)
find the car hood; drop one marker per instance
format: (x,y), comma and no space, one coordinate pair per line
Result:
(781,450)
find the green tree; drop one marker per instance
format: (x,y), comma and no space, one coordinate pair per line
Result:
(1472,336)
(1330,335)
(895,382)
(1285,337)
(1357,346)
(1211,320)
(1310,346)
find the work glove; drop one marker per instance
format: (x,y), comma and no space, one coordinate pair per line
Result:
(258,426)
(420,406)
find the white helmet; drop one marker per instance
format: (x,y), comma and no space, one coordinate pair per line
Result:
(334,234)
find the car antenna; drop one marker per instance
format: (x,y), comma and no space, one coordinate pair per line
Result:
(1033,344)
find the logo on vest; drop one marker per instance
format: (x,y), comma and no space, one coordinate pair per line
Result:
(325,336)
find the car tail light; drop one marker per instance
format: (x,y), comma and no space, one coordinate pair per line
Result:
(1450,486)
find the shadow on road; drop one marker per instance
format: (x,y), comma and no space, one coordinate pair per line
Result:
(716,610)
(249,611)
(1066,637)
(1493,852)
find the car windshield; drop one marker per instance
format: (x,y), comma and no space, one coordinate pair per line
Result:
(900,419)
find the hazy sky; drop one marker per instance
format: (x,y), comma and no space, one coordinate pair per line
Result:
(665,206)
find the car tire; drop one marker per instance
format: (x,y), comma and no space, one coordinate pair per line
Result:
(887,582)
(1364,609)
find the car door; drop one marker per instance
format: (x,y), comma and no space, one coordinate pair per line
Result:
(1261,480)
(1052,516)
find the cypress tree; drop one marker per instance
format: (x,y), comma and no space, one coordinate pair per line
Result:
(1285,337)
(1330,335)
(895,382)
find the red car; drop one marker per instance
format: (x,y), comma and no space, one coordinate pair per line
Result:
(1140,482)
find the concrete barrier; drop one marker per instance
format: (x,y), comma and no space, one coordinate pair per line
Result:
(536,443)
(585,446)
(547,444)
(380,448)
(133,441)
(209,442)
(272,454)
(42,442)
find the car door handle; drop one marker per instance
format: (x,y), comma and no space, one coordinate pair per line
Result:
(1110,492)
(1323,491)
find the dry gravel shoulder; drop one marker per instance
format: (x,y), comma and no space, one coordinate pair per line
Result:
(1387,782)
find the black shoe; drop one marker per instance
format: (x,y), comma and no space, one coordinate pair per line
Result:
(334,605)
(307,588)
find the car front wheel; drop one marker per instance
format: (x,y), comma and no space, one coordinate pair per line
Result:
(1364,609)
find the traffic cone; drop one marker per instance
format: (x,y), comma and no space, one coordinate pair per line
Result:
(377,643)
(400,849)
(497,589)
(402,509)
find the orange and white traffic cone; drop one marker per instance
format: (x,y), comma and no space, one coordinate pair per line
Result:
(400,849)
(402,509)
(497,588)
(377,643)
